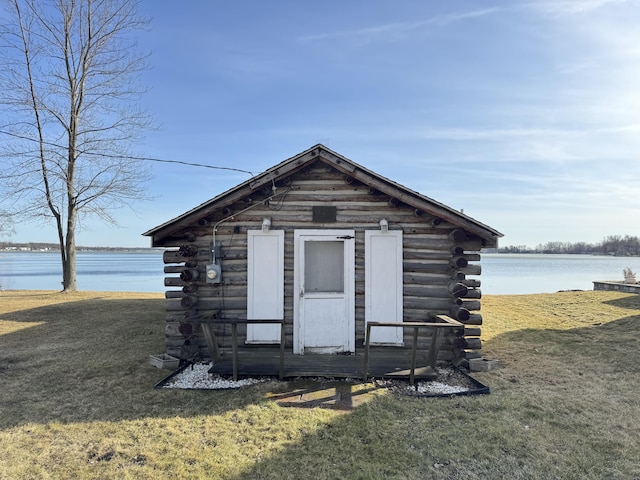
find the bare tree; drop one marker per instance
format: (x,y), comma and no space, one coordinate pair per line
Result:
(70,86)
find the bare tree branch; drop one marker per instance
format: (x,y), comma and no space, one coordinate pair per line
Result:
(70,83)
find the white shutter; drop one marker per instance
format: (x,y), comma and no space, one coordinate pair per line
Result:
(383,283)
(265,284)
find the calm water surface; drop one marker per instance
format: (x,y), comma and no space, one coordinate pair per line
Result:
(540,273)
(103,271)
(143,272)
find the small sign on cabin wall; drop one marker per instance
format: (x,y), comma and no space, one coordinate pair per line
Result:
(324,214)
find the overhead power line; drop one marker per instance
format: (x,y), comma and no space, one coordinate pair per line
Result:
(148,159)
(145,159)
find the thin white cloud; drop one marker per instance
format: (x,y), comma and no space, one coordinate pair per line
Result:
(558,8)
(621,129)
(391,30)
(490,134)
(573,67)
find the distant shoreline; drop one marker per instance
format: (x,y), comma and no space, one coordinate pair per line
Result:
(488,252)
(37,247)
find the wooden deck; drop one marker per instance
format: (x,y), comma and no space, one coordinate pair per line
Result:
(384,362)
(617,286)
(371,361)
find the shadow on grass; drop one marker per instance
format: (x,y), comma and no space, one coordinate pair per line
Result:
(88,360)
(84,361)
(569,385)
(631,302)
(337,395)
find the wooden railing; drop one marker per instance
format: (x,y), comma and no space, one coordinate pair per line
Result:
(234,322)
(440,323)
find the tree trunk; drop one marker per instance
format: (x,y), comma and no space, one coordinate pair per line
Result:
(69,259)
(69,274)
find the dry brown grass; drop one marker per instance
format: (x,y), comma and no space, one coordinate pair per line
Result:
(77,401)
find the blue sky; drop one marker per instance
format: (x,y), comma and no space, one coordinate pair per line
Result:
(524,114)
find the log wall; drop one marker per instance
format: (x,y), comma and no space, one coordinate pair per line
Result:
(440,261)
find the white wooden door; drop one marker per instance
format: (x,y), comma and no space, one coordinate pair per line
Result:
(265,284)
(383,284)
(324,272)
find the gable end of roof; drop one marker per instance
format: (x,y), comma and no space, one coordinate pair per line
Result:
(342,164)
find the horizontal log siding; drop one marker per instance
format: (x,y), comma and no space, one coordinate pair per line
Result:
(426,256)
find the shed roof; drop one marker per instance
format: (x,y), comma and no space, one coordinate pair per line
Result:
(340,163)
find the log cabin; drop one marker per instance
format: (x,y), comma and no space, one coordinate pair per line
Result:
(317,260)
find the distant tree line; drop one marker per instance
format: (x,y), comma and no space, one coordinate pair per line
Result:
(617,245)
(54,247)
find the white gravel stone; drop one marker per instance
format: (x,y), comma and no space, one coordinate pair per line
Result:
(197,376)
(438,387)
(449,382)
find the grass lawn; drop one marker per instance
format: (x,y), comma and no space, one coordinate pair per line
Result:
(77,401)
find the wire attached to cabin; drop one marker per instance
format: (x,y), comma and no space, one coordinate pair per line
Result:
(280,203)
(264,202)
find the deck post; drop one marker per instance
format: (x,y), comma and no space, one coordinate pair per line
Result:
(436,338)
(234,341)
(282,342)
(414,348)
(366,352)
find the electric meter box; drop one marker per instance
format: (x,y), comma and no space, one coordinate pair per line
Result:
(213,273)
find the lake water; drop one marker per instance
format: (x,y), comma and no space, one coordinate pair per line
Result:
(143,272)
(102,271)
(540,273)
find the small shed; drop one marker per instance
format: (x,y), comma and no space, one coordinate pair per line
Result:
(319,259)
